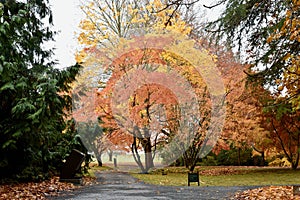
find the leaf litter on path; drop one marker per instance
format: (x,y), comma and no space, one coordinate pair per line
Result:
(39,190)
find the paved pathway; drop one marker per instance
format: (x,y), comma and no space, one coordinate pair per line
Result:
(121,186)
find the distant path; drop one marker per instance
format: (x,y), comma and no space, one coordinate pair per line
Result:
(121,186)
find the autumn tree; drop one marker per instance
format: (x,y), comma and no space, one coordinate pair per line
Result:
(186,137)
(245,121)
(33,94)
(283,124)
(268,125)
(264,31)
(267,33)
(172,51)
(243,112)
(184,68)
(267,30)
(147,112)
(147,131)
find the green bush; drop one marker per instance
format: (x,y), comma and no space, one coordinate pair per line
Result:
(235,157)
(231,158)
(210,160)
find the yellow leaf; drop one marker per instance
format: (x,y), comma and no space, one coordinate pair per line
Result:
(270,39)
(280,88)
(287,56)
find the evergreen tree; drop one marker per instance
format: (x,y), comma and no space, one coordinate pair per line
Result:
(34,96)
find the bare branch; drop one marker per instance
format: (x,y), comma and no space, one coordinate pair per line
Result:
(213,6)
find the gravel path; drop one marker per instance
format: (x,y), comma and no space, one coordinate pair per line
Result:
(121,186)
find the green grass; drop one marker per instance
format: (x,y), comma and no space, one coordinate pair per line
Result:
(240,177)
(92,170)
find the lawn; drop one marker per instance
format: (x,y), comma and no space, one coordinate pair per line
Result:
(224,176)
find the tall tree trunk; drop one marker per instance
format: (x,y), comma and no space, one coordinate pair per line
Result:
(136,156)
(148,154)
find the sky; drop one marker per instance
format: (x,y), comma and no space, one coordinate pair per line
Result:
(66,17)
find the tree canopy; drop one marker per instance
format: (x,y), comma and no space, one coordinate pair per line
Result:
(267,34)
(157,48)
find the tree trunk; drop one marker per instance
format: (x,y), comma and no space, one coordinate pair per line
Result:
(263,158)
(99,160)
(239,156)
(262,152)
(110,155)
(192,167)
(148,154)
(296,162)
(100,163)
(136,156)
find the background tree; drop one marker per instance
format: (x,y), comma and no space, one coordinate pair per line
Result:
(283,124)
(245,122)
(33,95)
(266,32)
(270,29)
(93,139)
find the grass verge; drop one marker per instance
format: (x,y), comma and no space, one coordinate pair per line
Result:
(224,176)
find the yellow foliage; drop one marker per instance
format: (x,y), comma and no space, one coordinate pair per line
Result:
(98,29)
(280,162)
(280,88)
(80,56)
(87,25)
(287,56)
(178,51)
(291,31)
